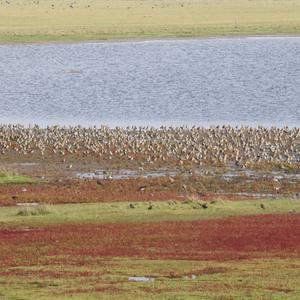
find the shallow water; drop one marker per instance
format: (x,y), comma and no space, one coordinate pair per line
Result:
(173,82)
(125,174)
(231,174)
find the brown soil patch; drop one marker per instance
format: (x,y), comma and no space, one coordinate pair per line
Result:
(143,189)
(78,191)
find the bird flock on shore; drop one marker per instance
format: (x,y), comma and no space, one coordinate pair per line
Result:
(216,145)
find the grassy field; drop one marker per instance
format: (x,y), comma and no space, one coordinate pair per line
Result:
(91,213)
(62,20)
(227,250)
(250,279)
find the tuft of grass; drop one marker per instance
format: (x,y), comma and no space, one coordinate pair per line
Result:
(36,210)
(6,178)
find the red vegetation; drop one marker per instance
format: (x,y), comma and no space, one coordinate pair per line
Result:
(221,239)
(79,191)
(138,189)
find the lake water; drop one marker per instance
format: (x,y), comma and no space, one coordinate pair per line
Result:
(172,82)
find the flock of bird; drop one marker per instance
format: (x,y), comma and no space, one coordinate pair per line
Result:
(216,145)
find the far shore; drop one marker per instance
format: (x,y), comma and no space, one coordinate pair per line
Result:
(135,20)
(60,40)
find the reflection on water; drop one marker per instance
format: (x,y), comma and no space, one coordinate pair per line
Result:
(194,82)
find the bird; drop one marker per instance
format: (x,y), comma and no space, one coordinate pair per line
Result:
(146,146)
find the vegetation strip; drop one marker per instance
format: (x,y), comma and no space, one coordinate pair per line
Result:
(91,278)
(133,212)
(240,237)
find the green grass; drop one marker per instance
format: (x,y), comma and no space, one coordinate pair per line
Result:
(90,278)
(24,21)
(162,211)
(14,179)
(108,279)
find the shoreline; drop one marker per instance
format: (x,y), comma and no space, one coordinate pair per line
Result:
(149,39)
(146,126)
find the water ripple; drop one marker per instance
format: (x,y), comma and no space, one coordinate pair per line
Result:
(194,82)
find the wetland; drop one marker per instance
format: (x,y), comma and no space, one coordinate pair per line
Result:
(150,169)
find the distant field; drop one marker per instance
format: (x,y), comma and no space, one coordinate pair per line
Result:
(67,20)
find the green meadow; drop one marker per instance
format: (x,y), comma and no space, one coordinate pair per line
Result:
(108,280)
(30,270)
(61,20)
(132,212)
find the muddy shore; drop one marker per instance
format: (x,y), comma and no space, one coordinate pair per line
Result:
(76,164)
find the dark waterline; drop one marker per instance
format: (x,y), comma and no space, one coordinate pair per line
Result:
(250,81)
